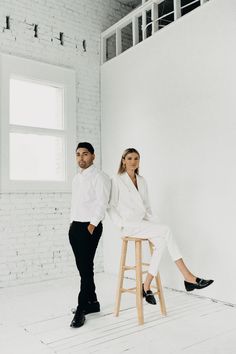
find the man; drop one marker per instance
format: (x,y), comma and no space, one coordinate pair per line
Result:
(90,196)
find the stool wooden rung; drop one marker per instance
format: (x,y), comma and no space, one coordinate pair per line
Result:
(134,267)
(129,290)
(129,267)
(138,270)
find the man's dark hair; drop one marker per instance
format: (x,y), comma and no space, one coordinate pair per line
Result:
(87,146)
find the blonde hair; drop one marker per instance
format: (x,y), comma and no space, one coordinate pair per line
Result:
(125,153)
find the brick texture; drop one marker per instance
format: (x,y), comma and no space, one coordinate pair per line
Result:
(34,226)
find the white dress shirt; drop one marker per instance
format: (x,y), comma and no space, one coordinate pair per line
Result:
(90,195)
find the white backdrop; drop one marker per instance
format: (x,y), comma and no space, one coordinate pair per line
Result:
(173,98)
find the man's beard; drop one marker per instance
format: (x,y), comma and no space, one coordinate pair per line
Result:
(82,164)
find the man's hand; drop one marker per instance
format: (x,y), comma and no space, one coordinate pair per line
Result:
(91,228)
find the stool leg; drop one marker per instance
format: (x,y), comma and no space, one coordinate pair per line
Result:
(120,277)
(159,287)
(160,294)
(139,295)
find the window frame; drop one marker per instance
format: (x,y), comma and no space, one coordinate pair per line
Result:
(32,70)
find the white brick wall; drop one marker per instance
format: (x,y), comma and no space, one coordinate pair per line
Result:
(34,226)
(33,243)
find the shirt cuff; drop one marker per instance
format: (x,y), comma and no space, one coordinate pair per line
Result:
(94,221)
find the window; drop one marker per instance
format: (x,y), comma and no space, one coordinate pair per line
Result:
(38,126)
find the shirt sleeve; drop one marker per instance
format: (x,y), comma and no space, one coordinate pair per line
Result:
(102,188)
(113,204)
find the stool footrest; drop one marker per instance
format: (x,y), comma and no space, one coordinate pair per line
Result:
(156,292)
(133,290)
(130,290)
(129,267)
(126,267)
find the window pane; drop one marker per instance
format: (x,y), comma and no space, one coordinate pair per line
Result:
(37,157)
(36,105)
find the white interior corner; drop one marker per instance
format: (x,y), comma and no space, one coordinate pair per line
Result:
(157,75)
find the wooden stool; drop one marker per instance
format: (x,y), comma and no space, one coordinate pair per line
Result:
(139,271)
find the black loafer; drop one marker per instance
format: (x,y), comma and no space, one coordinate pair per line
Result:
(149,297)
(92,307)
(78,319)
(200,284)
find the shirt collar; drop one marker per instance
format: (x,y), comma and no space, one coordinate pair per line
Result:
(86,171)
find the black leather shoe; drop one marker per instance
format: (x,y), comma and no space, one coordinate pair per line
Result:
(92,307)
(149,297)
(78,319)
(200,284)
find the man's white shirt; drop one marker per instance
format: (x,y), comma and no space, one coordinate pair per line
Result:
(90,195)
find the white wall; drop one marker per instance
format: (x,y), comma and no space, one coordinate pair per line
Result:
(173,98)
(34,226)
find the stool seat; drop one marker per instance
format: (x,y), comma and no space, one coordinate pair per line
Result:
(130,238)
(138,267)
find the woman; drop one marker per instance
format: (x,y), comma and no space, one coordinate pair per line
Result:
(130,210)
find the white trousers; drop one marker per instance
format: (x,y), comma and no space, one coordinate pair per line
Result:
(160,235)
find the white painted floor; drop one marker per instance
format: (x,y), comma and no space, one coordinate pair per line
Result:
(35,319)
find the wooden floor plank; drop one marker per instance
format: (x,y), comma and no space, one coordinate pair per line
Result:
(193,325)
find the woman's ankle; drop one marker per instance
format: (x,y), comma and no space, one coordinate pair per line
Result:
(190,278)
(146,287)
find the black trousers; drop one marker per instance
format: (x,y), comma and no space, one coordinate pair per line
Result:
(84,246)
